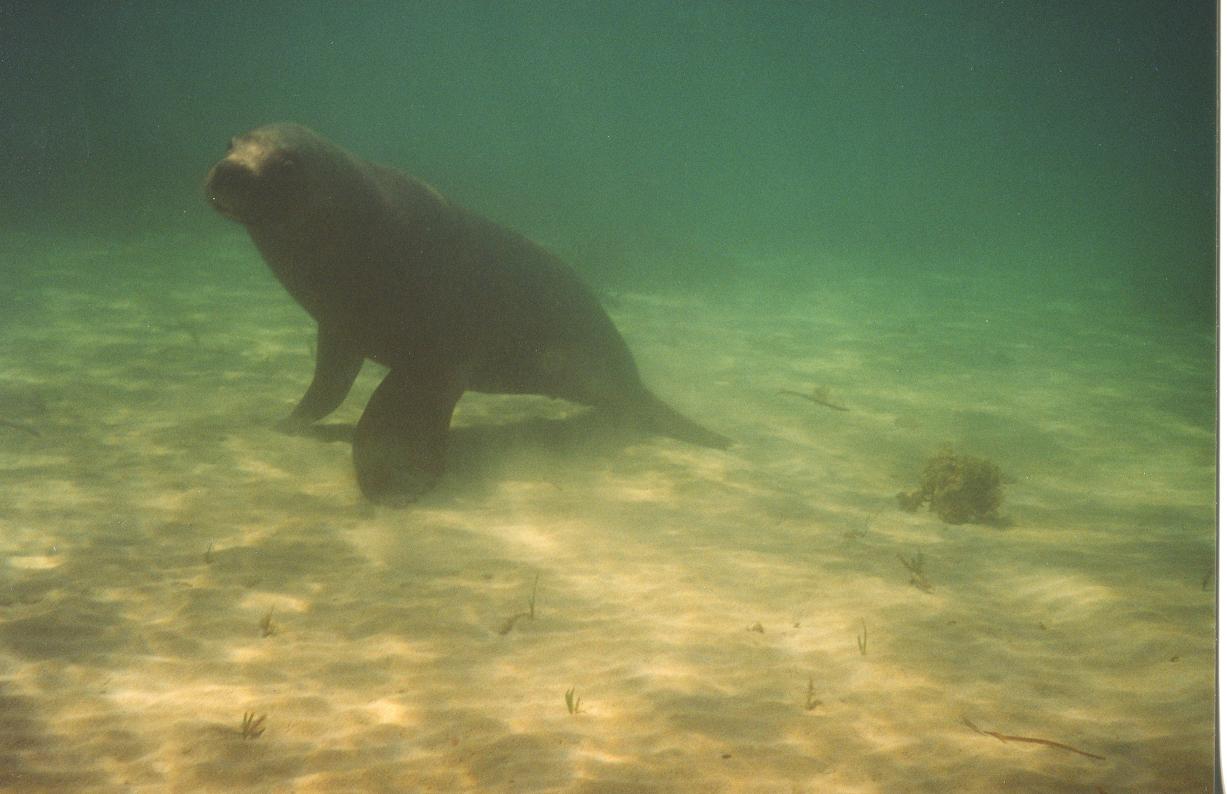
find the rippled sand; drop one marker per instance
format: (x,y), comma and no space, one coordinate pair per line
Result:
(171,563)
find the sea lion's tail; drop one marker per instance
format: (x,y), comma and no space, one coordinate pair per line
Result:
(659,417)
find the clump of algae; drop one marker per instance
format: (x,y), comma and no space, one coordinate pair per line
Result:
(961,489)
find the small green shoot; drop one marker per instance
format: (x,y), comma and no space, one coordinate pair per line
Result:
(252,726)
(862,638)
(208,555)
(572,700)
(531,614)
(811,696)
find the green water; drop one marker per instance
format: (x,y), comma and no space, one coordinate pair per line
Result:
(988,226)
(1071,143)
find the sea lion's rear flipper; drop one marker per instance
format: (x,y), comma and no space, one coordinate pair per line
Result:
(336,367)
(400,443)
(659,417)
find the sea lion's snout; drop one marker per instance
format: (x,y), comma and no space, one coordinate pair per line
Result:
(228,183)
(242,185)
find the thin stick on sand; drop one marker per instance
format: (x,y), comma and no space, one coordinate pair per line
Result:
(1030,740)
(821,395)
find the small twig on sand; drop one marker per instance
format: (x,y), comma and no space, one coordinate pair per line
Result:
(1030,740)
(821,395)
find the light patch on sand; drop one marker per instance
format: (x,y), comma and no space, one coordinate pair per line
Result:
(389,712)
(171,502)
(263,470)
(252,654)
(531,537)
(639,491)
(1061,596)
(277,602)
(34,562)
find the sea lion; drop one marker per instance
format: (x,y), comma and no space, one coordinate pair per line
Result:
(449,301)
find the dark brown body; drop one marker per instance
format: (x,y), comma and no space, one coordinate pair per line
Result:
(449,301)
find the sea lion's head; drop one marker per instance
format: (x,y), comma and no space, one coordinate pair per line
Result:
(274,173)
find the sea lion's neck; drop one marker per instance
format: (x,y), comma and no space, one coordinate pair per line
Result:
(300,261)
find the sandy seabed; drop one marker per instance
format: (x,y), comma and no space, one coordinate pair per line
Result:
(169,563)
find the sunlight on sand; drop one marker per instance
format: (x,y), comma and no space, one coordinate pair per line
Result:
(730,621)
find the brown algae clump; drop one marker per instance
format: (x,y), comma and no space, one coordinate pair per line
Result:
(961,489)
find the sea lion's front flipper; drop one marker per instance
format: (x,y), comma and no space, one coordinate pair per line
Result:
(336,367)
(400,443)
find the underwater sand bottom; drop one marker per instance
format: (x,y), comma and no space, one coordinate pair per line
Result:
(736,621)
